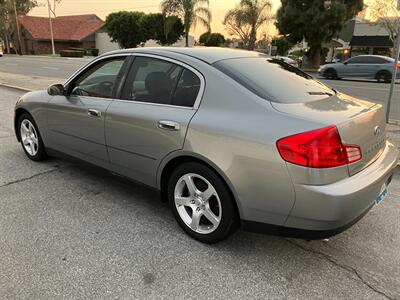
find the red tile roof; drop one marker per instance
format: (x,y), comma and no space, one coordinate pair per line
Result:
(67,28)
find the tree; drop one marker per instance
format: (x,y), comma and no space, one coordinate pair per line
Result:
(190,11)
(212,39)
(246,18)
(7,17)
(314,21)
(283,45)
(165,30)
(385,13)
(126,29)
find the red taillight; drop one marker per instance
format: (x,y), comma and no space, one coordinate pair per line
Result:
(320,148)
(398,66)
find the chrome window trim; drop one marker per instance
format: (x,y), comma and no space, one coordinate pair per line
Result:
(160,57)
(91,63)
(154,104)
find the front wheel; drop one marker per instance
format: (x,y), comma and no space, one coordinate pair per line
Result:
(202,203)
(330,74)
(30,138)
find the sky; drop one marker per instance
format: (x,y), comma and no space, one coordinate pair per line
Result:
(103,7)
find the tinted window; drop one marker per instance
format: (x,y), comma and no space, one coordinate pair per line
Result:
(151,80)
(100,80)
(358,60)
(157,81)
(377,60)
(187,89)
(274,80)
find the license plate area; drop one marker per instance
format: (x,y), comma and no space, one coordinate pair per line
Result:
(384,191)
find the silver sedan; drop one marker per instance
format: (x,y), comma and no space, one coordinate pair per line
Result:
(229,137)
(375,67)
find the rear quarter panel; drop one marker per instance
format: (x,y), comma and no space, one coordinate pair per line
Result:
(237,131)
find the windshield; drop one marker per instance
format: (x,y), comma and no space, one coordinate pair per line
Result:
(274,80)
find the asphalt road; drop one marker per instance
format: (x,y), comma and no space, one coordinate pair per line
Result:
(41,66)
(72,231)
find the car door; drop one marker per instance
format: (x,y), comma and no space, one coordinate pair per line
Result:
(159,98)
(76,120)
(353,67)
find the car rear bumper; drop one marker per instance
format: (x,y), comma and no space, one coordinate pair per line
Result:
(334,205)
(326,210)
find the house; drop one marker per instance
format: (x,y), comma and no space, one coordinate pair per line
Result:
(68,31)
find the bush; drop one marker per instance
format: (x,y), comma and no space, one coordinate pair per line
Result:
(92,52)
(78,49)
(71,53)
(212,39)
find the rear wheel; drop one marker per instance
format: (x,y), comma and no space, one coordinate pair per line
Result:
(331,74)
(30,138)
(384,76)
(201,203)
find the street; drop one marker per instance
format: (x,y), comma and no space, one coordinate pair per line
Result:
(41,66)
(71,230)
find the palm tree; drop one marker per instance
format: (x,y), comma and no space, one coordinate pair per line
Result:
(246,18)
(191,11)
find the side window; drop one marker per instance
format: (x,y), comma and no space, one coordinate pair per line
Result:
(100,80)
(357,60)
(377,60)
(151,80)
(187,89)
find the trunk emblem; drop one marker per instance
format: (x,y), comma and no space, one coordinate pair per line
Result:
(377,130)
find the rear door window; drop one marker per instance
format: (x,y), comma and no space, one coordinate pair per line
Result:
(377,60)
(159,81)
(187,89)
(274,80)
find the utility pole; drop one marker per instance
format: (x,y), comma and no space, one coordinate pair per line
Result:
(18,29)
(51,28)
(396,63)
(7,27)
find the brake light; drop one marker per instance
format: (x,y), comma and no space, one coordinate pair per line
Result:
(398,66)
(321,148)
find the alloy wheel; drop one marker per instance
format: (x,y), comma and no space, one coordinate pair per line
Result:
(198,203)
(29,137)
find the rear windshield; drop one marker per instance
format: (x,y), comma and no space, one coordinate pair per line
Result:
(274,80)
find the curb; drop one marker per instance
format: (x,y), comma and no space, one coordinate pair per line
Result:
(15,87)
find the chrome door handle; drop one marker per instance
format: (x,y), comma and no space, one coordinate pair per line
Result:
(93,113)
(169,125)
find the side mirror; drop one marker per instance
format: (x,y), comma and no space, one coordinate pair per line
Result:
(56,90)
(345,63)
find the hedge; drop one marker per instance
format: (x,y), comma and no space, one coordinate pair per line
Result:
(92,52)
(71,53)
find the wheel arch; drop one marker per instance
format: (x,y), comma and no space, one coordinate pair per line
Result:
(333,70)
(177,158)
(383,71)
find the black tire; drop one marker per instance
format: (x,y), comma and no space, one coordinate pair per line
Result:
(40,149)
(330,74)
(384,76)
(229,219)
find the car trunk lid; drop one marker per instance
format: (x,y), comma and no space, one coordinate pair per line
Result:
(359,123)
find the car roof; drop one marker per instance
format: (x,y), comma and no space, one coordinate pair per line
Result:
(366,55)
(209,55)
